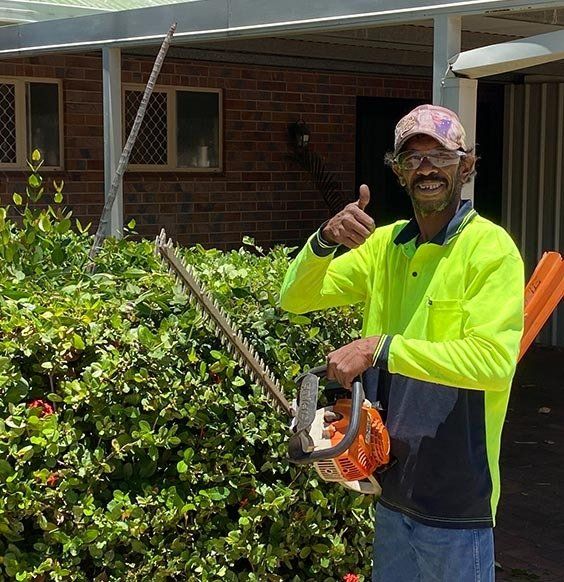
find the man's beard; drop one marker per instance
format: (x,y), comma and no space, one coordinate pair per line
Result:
(426,207)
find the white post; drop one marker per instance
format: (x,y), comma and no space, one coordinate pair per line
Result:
(111,75)
(446,44)
(457,94)
(460,95)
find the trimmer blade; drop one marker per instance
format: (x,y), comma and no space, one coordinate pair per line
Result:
(246,355)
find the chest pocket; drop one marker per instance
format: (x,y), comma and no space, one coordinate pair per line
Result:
(444,319)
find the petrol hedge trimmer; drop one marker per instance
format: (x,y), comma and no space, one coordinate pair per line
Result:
(346,440)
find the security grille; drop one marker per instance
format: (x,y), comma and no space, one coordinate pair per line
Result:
(7,123)
(151,146)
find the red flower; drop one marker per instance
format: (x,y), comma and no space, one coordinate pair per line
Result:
(45,407)
(350,578)
(52,479)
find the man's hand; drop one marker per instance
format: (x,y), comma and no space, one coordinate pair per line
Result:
(352,226)
(348,362)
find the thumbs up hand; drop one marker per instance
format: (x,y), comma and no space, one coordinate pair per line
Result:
(352,226)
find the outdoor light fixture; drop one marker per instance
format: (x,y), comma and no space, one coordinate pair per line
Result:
(299,134)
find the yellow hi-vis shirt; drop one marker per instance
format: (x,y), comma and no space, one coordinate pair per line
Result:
(450,314)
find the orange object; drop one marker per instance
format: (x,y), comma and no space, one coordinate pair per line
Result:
(543,293)
(370,450)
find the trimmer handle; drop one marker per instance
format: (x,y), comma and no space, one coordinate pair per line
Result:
(300,445)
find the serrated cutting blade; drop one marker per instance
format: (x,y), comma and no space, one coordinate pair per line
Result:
(247,355)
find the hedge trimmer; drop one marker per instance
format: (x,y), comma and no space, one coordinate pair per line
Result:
(346,441)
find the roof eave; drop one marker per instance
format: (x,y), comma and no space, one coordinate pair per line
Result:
(224,19)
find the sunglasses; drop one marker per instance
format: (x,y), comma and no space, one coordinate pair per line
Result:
(411,160)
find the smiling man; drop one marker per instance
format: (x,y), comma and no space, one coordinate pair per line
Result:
(443,319)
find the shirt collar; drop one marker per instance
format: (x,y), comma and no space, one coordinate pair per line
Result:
(463,216)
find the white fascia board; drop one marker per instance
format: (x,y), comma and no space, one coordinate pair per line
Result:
(509,56)
(222,19)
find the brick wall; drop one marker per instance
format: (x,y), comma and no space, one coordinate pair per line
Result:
(261,193)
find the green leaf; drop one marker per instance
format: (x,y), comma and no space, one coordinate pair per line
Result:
(145,336)
(34,180)
(44,223)
(144,426)
(17,198)
(58,255)
(90,535)
(63,226)
(77,342)
(5,469)
(320,548)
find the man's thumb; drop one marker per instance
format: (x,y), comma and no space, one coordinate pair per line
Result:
(364,196)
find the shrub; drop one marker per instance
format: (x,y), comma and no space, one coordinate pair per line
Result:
(132,445)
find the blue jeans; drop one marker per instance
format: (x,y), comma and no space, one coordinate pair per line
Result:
(408,551)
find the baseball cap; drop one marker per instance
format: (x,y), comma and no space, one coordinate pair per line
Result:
(438,122)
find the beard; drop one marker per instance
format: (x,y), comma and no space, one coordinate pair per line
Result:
(424,204)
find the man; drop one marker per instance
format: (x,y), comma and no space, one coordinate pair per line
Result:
(443,319)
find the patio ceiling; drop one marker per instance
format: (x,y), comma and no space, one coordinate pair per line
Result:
(405,49)
(209,20)
(25,11)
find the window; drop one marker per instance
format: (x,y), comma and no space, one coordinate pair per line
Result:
(30,118)
(181,129)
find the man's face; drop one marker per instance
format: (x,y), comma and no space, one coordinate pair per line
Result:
(430,187)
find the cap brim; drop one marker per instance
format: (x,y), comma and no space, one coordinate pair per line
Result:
(447,143)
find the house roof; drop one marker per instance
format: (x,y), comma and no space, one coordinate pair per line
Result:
(203,20)
(213,24)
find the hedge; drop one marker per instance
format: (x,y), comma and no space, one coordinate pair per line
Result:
(132,445)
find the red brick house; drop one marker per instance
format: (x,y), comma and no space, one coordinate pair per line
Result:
(213,163)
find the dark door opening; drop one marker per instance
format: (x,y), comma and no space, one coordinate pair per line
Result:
(376,120)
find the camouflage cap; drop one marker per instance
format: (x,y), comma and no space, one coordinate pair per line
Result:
(438,122)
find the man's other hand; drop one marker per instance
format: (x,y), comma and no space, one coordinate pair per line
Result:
(348,362)
(352,226)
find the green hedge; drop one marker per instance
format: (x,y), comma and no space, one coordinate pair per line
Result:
(132,446)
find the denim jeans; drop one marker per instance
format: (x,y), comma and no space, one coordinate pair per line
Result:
(408,551)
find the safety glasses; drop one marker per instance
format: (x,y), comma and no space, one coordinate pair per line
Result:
(411,160)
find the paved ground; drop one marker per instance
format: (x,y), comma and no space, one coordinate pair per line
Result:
(530,527)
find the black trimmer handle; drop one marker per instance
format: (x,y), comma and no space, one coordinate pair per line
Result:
(300,445)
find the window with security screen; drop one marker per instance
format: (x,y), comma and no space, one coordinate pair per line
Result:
(8,150)
(181,129)
(30,118)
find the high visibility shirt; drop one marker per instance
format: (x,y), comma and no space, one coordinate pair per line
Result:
(450,316)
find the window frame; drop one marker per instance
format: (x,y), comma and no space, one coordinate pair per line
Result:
(20,85)
(172,154)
